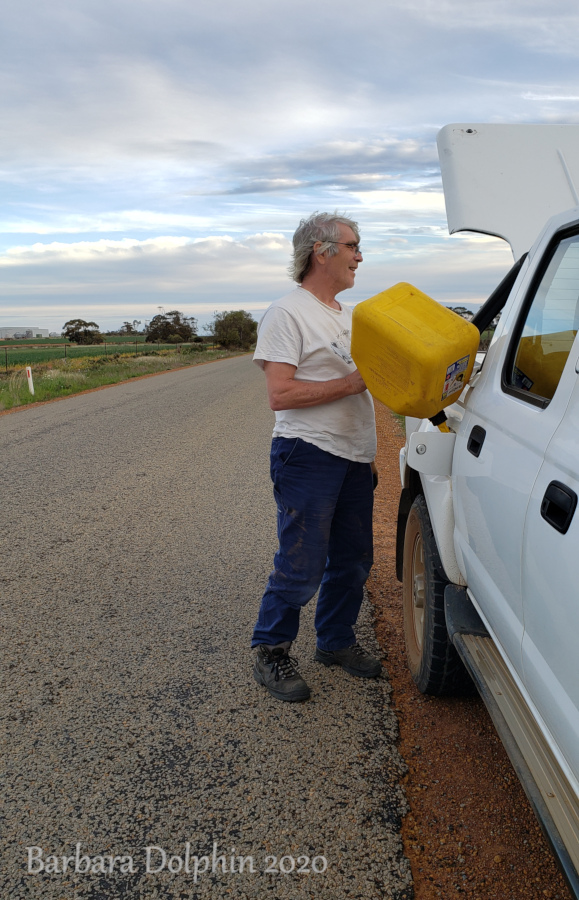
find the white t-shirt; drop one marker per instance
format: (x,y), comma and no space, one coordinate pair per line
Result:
(301,330)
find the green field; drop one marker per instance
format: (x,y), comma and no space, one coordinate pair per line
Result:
(12,343)
(13,355)
(109,339)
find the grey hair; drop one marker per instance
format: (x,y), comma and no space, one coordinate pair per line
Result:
(322,227)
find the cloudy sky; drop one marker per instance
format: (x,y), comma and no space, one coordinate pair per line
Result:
(159,153)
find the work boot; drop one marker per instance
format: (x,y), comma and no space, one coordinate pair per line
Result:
(354,660)
(276,670)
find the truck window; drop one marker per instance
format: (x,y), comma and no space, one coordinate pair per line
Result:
(549,329)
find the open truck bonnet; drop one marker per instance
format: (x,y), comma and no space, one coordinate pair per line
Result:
(508,180)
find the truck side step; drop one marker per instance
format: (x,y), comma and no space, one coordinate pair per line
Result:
(548,790)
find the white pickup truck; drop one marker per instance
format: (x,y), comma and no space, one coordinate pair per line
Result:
(488,532)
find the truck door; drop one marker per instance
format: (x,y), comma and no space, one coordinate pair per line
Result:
(512,415)
(550,580)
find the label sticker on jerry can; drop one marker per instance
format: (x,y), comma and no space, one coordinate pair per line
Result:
(454,380)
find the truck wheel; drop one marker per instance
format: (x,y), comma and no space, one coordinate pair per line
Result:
(434,664)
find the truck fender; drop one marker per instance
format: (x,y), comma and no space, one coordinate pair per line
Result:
(425,468)
(438,495)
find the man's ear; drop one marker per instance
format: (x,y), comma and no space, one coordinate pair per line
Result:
(321,258)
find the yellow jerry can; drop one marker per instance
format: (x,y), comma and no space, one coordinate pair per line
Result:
(414,354)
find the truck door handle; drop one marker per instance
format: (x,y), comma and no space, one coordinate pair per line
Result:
(475,440)
(558,506)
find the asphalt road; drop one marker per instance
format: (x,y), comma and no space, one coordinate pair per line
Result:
(138,529)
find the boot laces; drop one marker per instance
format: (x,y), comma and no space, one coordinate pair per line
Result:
(282,664)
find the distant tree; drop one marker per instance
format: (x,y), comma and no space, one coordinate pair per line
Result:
(462,311)
(130,327)
(488,333)
(171,326)
(234,329)
(81,332)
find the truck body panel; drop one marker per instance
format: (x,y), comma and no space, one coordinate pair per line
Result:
(509,486)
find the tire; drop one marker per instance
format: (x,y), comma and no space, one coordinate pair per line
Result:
(434,664)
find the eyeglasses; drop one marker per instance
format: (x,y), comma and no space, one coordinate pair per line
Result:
(355,248)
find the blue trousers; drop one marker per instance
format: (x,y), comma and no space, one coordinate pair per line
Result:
(324,524)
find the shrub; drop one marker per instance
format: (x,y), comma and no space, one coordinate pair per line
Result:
(195,348)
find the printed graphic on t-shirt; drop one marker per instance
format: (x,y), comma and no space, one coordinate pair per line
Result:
(341,346)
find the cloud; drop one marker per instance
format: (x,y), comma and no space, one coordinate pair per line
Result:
(411,203)
(541,98)
(152,150)
(345,156)
(132,81)
(109,281)
(362,164)
(266,186)
(83,251)
(540,26)
(58,221)
(159,270)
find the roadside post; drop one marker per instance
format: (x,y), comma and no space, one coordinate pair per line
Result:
(29,377)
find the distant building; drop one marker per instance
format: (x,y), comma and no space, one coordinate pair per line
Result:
(23,331)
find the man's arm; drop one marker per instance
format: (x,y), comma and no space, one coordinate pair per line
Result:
(285,392)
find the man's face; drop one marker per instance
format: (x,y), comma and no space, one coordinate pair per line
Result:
(341,268)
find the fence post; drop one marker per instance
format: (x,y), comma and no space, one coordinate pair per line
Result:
(65,351)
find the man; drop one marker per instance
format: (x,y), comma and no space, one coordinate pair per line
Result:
(324,442)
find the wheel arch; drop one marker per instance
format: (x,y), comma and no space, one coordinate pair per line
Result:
(407,496)
(438,495)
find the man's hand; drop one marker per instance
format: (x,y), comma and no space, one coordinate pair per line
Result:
(358,383)
(286,392)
